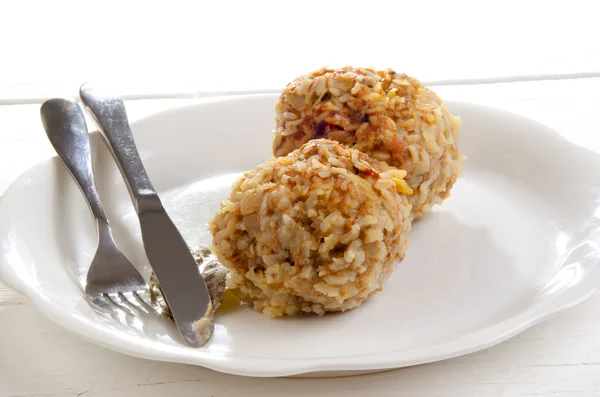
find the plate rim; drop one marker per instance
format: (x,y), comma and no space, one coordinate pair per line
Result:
(254,366)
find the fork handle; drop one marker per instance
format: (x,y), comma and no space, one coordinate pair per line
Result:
(109,111)
(65,125)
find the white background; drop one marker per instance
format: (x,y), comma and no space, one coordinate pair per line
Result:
(49,47)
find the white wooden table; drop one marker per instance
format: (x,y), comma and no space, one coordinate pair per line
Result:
(543,56)
(558,358)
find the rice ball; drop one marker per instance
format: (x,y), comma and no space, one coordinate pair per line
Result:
(387,115)
(318,230)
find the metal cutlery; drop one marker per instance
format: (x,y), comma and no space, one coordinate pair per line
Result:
(176,269)
(112,282)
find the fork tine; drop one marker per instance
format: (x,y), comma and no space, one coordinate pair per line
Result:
(142,303)
(126,303)
(130,303)
(118,305)
(100,303)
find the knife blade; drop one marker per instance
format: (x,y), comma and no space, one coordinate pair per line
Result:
(169,255)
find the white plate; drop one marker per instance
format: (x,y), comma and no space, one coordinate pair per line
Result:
(516,242)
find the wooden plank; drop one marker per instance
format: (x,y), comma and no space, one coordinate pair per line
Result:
(558,358)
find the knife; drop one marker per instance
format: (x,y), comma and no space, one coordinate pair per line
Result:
(176,270)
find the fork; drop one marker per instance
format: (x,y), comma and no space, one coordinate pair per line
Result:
(112,282)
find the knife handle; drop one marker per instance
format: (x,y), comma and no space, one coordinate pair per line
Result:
(67,131)
(109,111)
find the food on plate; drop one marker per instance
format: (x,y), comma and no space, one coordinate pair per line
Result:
(318,230)
(387,115)
(214,275)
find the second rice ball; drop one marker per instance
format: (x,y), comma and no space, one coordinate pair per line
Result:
(387,115)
